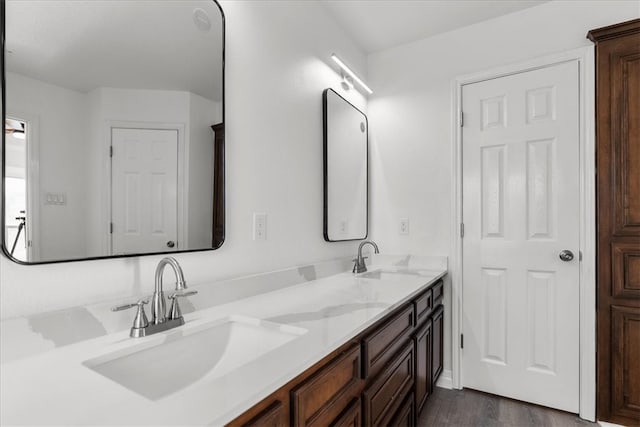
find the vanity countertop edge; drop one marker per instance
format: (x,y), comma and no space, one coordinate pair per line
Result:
(333,310)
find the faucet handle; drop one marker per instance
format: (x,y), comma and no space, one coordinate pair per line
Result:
(140,320)
(175,312)
(139,303)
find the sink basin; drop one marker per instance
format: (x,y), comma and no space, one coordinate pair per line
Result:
(163,364)
(383,273)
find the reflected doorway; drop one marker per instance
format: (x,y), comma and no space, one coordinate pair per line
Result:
(18,221)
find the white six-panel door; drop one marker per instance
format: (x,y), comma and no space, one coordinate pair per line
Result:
(144,176)
(520,143)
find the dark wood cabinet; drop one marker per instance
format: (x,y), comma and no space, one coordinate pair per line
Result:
(406,415)
(423,344)
(438,343)
(351,417)
(382,398)
(382,377)
(320,400)
(618,221)
(275,415)
(381,344)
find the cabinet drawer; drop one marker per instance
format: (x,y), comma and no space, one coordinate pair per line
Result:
(438,292)
(385,394)
(320,399)
(405,415)
(351,417)
(379,346)
(273,416)
(424,305)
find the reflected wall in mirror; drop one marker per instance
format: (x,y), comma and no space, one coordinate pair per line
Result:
(345,169)
(114,130)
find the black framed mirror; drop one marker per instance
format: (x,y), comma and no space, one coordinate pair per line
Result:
(114,128)
(346,168)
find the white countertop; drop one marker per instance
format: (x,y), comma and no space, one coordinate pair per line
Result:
(56,388)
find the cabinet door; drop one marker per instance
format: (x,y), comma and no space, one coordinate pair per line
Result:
(438,343)
(424,347)
(618,221)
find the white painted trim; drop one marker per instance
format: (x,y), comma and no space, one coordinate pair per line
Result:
(445,380)
(183,179)
(33,206)
(587,236)
(586,65)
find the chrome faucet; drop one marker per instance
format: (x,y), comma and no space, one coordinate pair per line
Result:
(158,307)
(159,320)
(360,266)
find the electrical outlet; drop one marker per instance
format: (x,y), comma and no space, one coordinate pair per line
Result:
(404,226)
(344,226)
(259,226)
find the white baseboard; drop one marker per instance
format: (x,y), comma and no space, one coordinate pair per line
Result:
(445,380)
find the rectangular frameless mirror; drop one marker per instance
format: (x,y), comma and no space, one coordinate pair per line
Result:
(114,130)
(345,169)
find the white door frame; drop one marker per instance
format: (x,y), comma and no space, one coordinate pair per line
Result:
(32,235)
(584,57)
(183,179)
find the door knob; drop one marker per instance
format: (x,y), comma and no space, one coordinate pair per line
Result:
(566,255)
(171,244)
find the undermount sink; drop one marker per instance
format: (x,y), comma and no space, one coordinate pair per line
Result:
(381,273)
(161,365)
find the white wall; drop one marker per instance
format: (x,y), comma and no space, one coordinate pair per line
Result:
(277,66)
(410,112)
(62,119)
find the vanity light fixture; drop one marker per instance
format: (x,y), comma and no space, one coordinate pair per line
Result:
(351,74)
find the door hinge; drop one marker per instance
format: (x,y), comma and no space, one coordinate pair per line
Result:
(461,340)
(461,229)
(111,227)
(461,119)
(111,151)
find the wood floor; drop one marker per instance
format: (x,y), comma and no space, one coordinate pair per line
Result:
(474,408)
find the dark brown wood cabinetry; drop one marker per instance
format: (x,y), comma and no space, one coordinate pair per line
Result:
(618,221)
(424,345)
(382,377)
(320,400)
(438,341)
(274,415)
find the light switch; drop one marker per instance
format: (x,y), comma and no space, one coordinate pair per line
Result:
(259,226)
(404,226)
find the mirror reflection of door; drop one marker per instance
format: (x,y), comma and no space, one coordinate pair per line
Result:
(110,69)
(144,190)
(17,225)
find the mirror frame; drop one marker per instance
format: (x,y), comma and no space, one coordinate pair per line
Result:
(325,165)
(218,177)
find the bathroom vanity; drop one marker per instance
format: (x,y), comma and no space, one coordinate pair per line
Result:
(383,376)
(344,349)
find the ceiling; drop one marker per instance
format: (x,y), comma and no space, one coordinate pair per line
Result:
(381,24)
(133,44)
